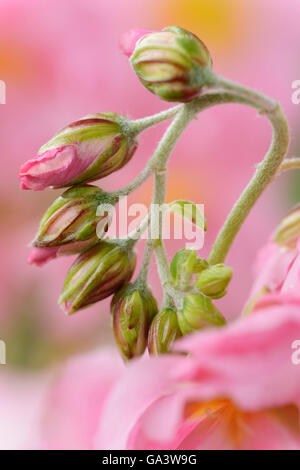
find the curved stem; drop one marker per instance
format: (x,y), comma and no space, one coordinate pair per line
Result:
(139,125)
(262,177)
(134,184)
(143,274)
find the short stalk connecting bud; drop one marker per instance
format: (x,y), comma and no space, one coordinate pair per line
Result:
(133,309)
(96,274)
(198,312)
(163,332)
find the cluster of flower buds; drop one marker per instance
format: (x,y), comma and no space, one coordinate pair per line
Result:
(86,150)
(176,66)
(133,309)
(172,63)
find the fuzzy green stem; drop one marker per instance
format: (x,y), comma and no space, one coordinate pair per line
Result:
(262,177)
(143,274)
(140,125)
(289,164)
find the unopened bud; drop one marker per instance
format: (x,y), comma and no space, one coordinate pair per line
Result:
(96,274)
(288,231)
(184,265)
(133,309)
(86,150)
(73,218)
(214,280)
(163,332)
(198,312)
(171,63)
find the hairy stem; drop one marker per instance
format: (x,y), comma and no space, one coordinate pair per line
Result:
(289,164)
(140,125)
(262,177)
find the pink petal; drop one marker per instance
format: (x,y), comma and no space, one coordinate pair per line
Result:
(76,398)
(130,38)
(41,256)
(54,167)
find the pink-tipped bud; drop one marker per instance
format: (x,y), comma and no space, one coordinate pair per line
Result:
(41,256)
(173,63)
(73,218)
(86,150)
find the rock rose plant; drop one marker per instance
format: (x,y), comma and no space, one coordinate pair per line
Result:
(211,385)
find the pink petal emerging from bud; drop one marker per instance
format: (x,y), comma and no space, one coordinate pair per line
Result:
(41,256)
(130,38)
(52,168)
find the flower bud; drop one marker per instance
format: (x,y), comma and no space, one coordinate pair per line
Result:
(72,218)
(184,265)
(41,256)
(288,231)
(163,332)
(96,274)
(214,280)
(172,63)
(133,309)
(86,150)
(198,312)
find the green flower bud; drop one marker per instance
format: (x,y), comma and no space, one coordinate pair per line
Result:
(72,218)
(198,312)
(133,309)
(163,332)
(288,231)
(96,274)
(184,265)
(171,63)
(214,280)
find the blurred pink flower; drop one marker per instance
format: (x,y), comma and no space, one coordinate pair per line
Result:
(22,398)
(276,269)
(238,389)
(76,398)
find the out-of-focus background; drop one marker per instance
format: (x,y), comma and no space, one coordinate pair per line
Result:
(60,60)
